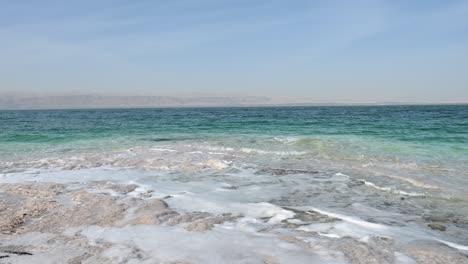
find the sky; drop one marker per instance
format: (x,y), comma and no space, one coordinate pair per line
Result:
(375,50)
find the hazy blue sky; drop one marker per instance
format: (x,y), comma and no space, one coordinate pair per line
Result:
(326,50)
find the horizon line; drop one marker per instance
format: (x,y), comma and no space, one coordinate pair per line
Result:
(247,106)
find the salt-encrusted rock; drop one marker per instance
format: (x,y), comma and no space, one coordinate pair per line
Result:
(377,250)
(186,218)
(22,203)
(209,222)
(432,252)
(151,212)
(52,208)
(119,188)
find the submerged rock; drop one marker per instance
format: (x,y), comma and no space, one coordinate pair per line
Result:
(438,227)
(15,250)
(311,216)
(433,218)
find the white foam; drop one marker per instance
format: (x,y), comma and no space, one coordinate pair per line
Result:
(287,140)
(391,189)
(350,226)
(264,210)
(454,245)
(362,230)
(213,148)
(166,244)
(162,149)
(216,164)
(188,202)
(280,153)
(353,220)
(341,175)
(401,258)
(329,235)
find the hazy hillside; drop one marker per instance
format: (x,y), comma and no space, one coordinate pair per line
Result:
(100,101)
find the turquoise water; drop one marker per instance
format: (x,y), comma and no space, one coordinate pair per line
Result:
(384,170)
(408,132)
(431,124)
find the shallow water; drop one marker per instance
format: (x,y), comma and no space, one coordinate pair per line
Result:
(380,171)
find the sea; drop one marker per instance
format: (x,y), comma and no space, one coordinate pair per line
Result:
(336,172)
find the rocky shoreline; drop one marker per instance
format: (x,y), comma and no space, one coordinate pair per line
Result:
(43,223)
(52,209)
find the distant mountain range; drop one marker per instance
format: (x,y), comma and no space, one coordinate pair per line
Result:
(15,101)
(111,101)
